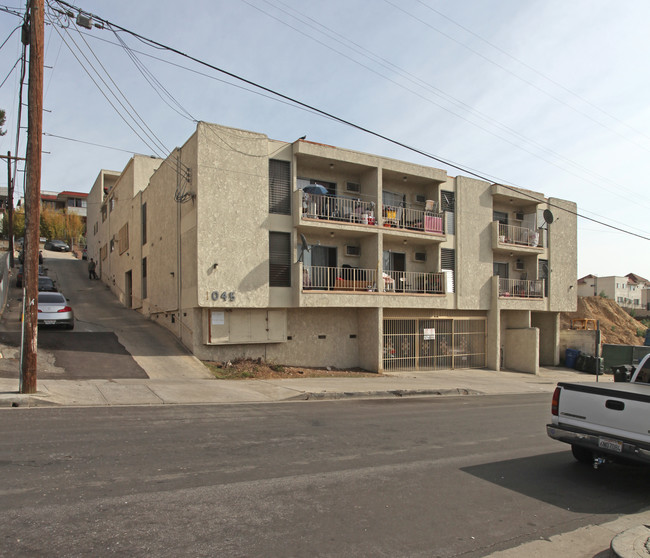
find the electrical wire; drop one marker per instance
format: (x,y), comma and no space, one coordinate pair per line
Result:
(346,122)
(511,133)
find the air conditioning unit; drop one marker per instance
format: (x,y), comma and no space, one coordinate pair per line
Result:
(519,215)
(352,250)
(420,256)
(420,198)
(353,187)
(519,265)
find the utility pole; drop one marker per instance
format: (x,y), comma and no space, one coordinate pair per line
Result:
(33,195)
(10,204)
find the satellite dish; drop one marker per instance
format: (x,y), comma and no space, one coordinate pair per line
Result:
(548,216)
(304,247)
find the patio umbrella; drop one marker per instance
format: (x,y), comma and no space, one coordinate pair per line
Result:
(315,189)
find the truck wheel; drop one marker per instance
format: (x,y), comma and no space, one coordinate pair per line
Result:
(583,455)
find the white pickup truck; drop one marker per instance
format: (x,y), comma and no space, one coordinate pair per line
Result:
(604,421)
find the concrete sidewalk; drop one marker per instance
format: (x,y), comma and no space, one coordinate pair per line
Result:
(188,391)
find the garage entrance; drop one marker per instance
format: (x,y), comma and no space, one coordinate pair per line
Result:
(434,343)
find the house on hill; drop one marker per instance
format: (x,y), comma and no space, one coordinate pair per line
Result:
(630,292)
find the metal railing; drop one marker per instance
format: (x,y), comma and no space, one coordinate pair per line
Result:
(521,288)
(365,280)
(414,282)
(522,236)
(334,208)
(413,219)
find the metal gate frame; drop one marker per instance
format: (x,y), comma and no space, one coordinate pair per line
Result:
(439,343)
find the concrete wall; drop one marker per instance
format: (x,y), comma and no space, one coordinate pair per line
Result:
(585,341)
(523,348)
(548,324)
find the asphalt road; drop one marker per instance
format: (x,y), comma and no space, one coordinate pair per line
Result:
(418,477)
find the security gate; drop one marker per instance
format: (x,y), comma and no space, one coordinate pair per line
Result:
(434,343)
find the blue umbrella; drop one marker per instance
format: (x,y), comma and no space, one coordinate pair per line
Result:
(315,189)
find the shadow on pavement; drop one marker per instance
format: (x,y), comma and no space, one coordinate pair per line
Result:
(77,356)
(559,480)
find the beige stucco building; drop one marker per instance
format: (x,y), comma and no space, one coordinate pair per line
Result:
(305,254)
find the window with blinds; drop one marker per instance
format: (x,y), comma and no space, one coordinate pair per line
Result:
(279,259)
(448,205)
(279,187)
(448,266)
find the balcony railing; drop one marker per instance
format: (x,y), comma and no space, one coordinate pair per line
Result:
(521,236)
(413,219)
(347,210)
(334,208)
(521,288)
(365,280)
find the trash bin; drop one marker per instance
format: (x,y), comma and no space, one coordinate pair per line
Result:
(570,358)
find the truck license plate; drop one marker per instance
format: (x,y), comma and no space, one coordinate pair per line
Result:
(611,445)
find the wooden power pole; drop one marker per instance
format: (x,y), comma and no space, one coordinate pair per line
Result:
(33,195)
(10,205)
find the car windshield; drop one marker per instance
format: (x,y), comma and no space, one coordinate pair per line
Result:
(51,298)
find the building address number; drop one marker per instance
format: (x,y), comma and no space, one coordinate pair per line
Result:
(225,296)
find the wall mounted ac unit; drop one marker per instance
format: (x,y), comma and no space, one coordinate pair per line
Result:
(420,257)
(519,265)
(353,187)
(352,250)
(519,215)
(420,198)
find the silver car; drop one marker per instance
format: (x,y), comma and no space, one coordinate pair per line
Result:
(53,310)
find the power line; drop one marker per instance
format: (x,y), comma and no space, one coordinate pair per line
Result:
(341,120)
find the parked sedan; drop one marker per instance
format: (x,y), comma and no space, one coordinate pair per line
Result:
(46,285)
(57,246)
(42,271)
(53,310)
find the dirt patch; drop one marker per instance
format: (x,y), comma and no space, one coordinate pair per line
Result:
(249,369)
(616,325)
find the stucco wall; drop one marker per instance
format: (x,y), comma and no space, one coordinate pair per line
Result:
(318,338)
(473,243)
(523,348)
(548,324)
(585,341)
(563,262)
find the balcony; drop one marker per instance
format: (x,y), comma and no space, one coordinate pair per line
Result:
(512,238)
(336,208)
(343,210)
(521,288)
(356,280)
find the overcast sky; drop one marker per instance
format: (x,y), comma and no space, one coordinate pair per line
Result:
(547,95)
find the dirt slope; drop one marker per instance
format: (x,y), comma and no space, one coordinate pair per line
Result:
(616,325)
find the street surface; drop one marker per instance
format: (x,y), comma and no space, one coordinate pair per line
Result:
(456,476)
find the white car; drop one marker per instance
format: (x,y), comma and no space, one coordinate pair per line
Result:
(53,310)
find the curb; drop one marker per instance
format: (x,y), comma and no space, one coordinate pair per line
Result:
(383,394)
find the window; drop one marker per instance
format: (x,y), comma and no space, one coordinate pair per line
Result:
(448,265)
(279,187)
(111,204)
(124,238)
(279,259)
(104,213)
(449,207)
(144,223)
(144,278)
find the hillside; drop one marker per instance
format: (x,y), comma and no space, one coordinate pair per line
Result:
(616,325)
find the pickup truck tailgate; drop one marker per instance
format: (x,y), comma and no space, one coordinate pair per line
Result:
(620,409)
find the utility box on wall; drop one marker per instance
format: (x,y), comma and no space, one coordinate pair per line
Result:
(238,326)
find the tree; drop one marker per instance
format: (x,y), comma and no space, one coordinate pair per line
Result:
(3,119)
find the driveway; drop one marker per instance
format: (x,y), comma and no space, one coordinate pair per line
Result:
(109,341)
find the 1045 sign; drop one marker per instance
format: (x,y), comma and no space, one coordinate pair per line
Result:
(223,295)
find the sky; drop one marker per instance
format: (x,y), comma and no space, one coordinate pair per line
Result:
(547,95)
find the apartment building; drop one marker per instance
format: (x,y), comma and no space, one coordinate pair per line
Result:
(629,291)
(306,254)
